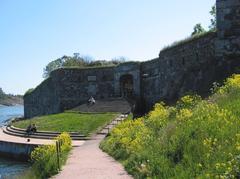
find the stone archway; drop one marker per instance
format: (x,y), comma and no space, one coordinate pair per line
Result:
(126,85)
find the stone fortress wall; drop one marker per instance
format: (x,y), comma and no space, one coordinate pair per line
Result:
(191,66)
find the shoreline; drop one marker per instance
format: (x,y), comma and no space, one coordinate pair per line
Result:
(10,105)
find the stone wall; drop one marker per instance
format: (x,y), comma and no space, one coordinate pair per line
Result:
(67,88)
(188,67)
(75,86)
(129,68)
(191,66)
(16,151)
(228,42)
(43,100)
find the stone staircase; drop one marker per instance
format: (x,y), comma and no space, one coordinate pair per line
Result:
(112,124)
(118,105)
(11,130)
(14,131)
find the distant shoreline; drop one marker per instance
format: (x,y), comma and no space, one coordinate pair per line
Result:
(10,105)
(11,101)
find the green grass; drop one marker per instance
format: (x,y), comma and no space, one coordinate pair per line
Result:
(86,123)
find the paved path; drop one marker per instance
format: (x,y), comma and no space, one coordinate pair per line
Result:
(23,140)
(89,162)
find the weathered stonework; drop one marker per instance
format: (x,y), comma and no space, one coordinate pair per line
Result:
(189,67)
(228,42)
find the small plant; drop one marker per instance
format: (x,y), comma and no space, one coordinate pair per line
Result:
(45,159)
(29,91)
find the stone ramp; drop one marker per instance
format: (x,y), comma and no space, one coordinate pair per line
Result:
(90,162)
(118,105)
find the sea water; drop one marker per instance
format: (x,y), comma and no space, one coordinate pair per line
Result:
(10,167)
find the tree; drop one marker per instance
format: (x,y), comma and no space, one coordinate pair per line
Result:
(58,63)
(2,94)
(213,13)
(78,61)
(118,60)
(198,29)
(66,61)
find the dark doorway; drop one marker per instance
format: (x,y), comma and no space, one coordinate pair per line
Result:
(126,85)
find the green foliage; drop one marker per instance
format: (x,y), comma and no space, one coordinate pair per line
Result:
(29,91)
(53,65)
(195,139)
(2,94)
(26,174)
(45,157)
(198,29)
(188,40)
(189,102)
(69,122)
(78,61)
(213,13)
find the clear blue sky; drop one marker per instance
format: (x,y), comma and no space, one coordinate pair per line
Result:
(35,32)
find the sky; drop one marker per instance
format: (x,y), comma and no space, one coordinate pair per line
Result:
(35,32)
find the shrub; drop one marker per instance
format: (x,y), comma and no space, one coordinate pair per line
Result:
(45,157)
(29,91)
(195,139)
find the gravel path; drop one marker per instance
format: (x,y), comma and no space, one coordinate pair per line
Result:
(89,162)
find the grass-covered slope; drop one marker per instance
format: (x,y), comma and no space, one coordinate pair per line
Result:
(85,123)
(195,139)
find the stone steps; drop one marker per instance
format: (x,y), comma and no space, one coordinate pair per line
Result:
(105,130)
(11,130)
(39,135)
(15,129)
(118,105)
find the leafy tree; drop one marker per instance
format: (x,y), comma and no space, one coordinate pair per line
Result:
(2,94)
(213,13)
(79,61)
(53,66)
(118,60)
(198,29)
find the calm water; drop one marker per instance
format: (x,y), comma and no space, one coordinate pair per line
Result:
(9,167)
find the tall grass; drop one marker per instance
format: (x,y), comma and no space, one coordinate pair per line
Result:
(194,139)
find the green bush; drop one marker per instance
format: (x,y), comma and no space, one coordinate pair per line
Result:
(45,157)
(29,91)
(195,139)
